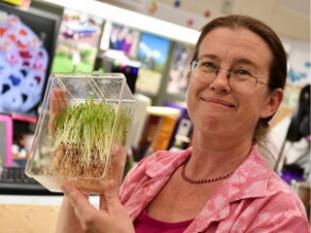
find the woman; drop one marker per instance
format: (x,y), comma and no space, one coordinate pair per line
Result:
(222,183)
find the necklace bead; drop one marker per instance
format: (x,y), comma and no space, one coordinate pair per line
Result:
(200,181)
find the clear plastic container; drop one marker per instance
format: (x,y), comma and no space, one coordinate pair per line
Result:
(82,132)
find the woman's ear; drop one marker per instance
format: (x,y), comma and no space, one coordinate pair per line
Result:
(272,103)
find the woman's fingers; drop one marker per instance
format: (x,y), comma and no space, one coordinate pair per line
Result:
(78,201)
(111,182)
(116,218)
(58,103)
(83,210)
(109,200)
(117,163)
(113,219)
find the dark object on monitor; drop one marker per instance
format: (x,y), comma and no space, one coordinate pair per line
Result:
(130,73)
(292,172)
(113,66)
(300,123)
(299,126)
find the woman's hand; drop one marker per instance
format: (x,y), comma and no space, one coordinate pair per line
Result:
(111,217)
(58,103)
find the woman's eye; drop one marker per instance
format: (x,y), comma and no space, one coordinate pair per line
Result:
(242,71)
(208,65)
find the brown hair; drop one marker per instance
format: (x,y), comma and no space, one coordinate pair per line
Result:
(278,66)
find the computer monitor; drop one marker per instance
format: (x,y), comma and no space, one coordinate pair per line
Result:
(77,42)
(179,69)
(153,52)
(124,39)
(27,45)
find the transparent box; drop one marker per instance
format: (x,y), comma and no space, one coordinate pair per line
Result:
(82,132)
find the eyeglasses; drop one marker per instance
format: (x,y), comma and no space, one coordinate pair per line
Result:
(239,77)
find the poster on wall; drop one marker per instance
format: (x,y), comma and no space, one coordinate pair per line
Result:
(152,53)
(124,39)
(77,43)
(299,70)
(179,69)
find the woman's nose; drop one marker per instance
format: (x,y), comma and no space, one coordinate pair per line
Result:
(221,81)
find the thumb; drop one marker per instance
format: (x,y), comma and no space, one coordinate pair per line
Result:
(109,199)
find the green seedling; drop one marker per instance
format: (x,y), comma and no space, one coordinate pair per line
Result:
(83,139)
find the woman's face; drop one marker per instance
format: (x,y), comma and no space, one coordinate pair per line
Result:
(221,105)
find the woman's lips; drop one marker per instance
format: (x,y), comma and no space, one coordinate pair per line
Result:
(217,102)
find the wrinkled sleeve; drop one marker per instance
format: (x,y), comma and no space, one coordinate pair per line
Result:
(130,181)
(284,213)
(136,176)
(282,223)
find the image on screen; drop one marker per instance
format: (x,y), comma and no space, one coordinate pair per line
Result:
(179,69)
(77,42)
(26,49)
(152,53)
(124,39)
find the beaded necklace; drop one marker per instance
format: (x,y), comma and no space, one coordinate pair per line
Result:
(200,181)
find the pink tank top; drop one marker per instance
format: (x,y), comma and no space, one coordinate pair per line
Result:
(144,223)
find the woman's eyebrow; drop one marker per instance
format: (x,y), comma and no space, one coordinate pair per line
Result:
(246,61)
(239,61)
(210,56)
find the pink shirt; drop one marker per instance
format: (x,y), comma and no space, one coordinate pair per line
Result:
(252,199)
(144,223)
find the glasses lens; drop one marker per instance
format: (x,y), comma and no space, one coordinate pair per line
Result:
(202,72)
(240,79)
(242,83)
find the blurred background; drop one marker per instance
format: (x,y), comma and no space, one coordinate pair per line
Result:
(151,43)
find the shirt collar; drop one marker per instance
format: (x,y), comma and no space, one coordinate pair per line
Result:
(250,180)
(166,166)
(251,171)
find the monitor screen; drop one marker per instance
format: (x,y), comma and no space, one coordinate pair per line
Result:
(124,39)
(77,42)
(26,49)
(179,69)
(153,53)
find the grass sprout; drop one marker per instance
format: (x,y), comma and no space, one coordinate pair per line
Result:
(84,134)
